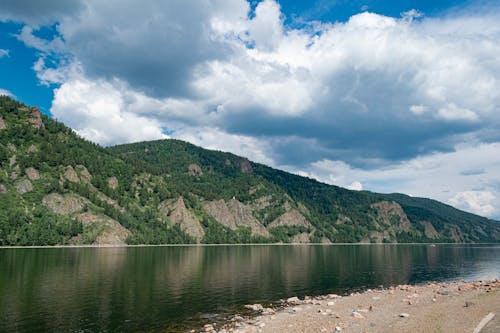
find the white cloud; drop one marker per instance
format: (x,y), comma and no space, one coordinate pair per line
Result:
(454,113)
(356,186)
(418,109)
(104,112)
(411,98)
(466,178)
(5,92)
(4,53)
(479,202)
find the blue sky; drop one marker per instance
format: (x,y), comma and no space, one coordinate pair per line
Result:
(389,96)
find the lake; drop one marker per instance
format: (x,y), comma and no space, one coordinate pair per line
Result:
(164,289)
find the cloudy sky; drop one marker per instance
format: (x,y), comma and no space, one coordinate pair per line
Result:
(387,96)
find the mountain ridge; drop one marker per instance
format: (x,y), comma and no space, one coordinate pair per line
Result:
(57,188)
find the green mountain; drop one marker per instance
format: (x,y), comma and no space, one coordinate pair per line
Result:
(57,188)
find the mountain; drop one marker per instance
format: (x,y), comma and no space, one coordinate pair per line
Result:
(57,188)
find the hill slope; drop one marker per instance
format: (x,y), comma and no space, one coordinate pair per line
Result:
(56,188)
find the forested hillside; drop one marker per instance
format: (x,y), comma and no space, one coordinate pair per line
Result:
(57,188)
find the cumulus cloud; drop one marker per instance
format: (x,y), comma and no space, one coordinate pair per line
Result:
(104,112)
(479,202)
(375,102)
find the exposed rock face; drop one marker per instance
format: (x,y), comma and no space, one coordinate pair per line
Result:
(178,213)
(2,123)
(32,173)
(71,175)
(262,202)
(65,205)
(429,231)
(3,189)
(24,186)
(113,183)
(245,166)
(301,238)
(110,231)
(290,218)
(233,213)
(325,240)
(84,174)
(36,117)
(391,213)
(456,234)
(194,170)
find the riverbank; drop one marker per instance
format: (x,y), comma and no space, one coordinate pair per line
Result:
(433,307)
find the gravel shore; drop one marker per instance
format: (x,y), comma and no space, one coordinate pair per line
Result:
(433,307)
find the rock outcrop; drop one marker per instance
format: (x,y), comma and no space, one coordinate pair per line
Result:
(71,175)
(24,186)
(177,212)
(36,117)
(32,173)
(245,166)
(233,214)
(429,230)
(2,123)
(65,204)
(290,218)
(113,183)
(195,170)
(301,238)
(109,231)
(390,213)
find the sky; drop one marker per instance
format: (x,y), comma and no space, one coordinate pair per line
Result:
(386,96)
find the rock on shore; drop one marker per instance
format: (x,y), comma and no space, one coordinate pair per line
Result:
(434,307)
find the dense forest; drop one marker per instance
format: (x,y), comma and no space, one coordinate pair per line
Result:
(57,188)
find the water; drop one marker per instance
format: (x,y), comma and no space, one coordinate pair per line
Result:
(164,289)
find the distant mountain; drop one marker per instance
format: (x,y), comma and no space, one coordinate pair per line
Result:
(57,188)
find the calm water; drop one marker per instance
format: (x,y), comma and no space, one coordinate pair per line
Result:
(162,289)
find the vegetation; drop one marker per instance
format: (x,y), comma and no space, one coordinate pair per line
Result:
(129,183)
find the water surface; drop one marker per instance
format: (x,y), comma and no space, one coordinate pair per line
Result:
(163,289)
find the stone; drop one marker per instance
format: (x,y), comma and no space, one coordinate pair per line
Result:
(443,292)
(330,303)
(357,315)
(32,173)
(268,311)
(293,300)
(24,186)
(468,304)
(65,205)
(255,307)
(71,175)
(404,315)
(338,328)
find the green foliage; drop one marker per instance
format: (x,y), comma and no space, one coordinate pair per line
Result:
(149,173)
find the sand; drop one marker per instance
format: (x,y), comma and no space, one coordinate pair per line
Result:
(433,307)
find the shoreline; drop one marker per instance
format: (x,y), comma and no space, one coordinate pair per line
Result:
(226,244)
(456,306)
